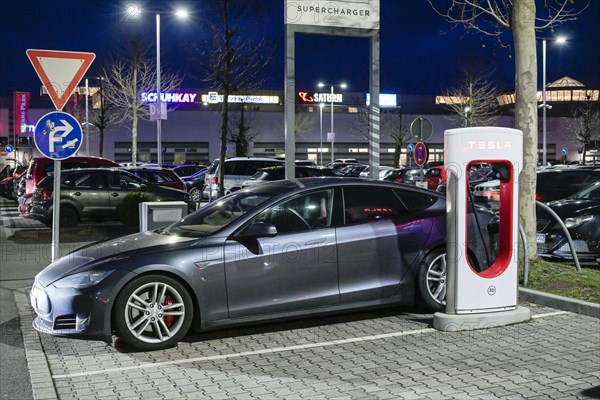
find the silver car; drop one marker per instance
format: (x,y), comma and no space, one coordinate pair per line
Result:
(283,249)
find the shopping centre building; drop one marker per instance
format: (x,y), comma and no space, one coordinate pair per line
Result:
(191,132)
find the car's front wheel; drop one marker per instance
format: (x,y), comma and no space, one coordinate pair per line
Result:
(153,312)
(196,194)
(432,280)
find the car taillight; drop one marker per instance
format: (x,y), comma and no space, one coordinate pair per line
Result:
(538,197)
(46,194)
(215,180)
(399,180)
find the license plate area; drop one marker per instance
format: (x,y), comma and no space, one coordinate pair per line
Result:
(540,237)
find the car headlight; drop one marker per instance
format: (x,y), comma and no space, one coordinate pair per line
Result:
(82,280)
(577,221)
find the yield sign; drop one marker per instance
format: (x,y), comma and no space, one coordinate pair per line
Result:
(60,71)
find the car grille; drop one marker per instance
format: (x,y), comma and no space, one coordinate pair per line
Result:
(542,224)
(65,322)
(580,247)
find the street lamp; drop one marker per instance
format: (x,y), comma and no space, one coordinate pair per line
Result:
(559,40)
(321,105)
(332,97)
(180,14)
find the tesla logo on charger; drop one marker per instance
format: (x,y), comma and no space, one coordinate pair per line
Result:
(487,145)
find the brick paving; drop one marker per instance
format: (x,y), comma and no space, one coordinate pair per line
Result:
(371,355)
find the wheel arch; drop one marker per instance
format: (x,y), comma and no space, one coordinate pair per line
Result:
(181,280)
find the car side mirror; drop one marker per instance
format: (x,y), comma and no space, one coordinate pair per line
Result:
(257,230)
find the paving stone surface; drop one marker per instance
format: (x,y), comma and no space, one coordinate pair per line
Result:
(386,354)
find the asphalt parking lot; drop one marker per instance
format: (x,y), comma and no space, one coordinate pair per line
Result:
(380,354)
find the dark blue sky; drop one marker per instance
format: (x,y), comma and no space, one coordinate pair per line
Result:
(419,52)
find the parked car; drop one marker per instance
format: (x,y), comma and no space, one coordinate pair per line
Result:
(237,170)
(551,184)
(158,176)
(277,173)
(187,170)
(195,184)
(306,163)
(404,175)
(340,167)
(346,160)
(95,194)
(40,167)
(581,215)
(283,249)
(354,170)
(383,172)
(435,176)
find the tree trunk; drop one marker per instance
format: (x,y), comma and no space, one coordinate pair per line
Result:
(101,145)
(135,121)
(523,27)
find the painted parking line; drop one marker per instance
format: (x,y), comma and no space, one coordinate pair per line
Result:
(550,314)
(250,353)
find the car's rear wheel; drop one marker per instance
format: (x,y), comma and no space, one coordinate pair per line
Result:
(432,280)
(68,217)
(196,194)
(153,312)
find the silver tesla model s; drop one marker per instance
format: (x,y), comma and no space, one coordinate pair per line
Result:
(282,249)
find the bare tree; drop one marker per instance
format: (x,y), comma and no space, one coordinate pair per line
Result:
(473,101)
(123,82)
(231,61)
(493,18)
(242,130)
(393,124)
(101,115)
(585,125)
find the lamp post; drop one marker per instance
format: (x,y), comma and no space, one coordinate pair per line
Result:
(332,98)
(559,40)
(321,105)
(180,14)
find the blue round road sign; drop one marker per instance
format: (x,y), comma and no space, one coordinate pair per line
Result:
(9,148)
(58,135)
(564,151)
(411,147)
(421,153)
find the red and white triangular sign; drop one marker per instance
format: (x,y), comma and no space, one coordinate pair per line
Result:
(60,71)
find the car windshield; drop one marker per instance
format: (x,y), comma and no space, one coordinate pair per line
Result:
(591,192)
(219,214)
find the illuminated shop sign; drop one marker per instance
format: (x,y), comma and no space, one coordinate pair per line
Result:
(21,109)
(215,98)
(385,100)
(307,97)
(179,97)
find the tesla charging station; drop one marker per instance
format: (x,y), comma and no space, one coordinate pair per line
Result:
(481,296)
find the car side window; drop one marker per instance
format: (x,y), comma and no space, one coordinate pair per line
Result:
(81,180)
(414,200)
(368,204)
(121,181)
(302,213)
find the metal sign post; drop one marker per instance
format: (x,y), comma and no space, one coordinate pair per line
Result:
(58,135)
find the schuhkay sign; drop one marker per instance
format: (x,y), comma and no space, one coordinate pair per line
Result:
(362,14)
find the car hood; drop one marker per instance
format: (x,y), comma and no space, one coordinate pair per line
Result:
(570,208)
(123,249)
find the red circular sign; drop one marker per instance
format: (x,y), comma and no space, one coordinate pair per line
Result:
(421,153)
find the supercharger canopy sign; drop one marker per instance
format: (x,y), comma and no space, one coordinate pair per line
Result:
(362,14)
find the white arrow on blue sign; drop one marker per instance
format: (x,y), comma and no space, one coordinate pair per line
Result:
(564,151)
(58,135)
(9,148)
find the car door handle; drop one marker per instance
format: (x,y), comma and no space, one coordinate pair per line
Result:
(113,194)
(77,194)
(315,241)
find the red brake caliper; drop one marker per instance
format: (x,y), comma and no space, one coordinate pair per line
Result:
(169,318)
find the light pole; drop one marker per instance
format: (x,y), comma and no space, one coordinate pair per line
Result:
(332,98)
(559,40)
(180,14)
(321,105)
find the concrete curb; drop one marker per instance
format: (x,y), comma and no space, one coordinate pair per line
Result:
(560,302)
